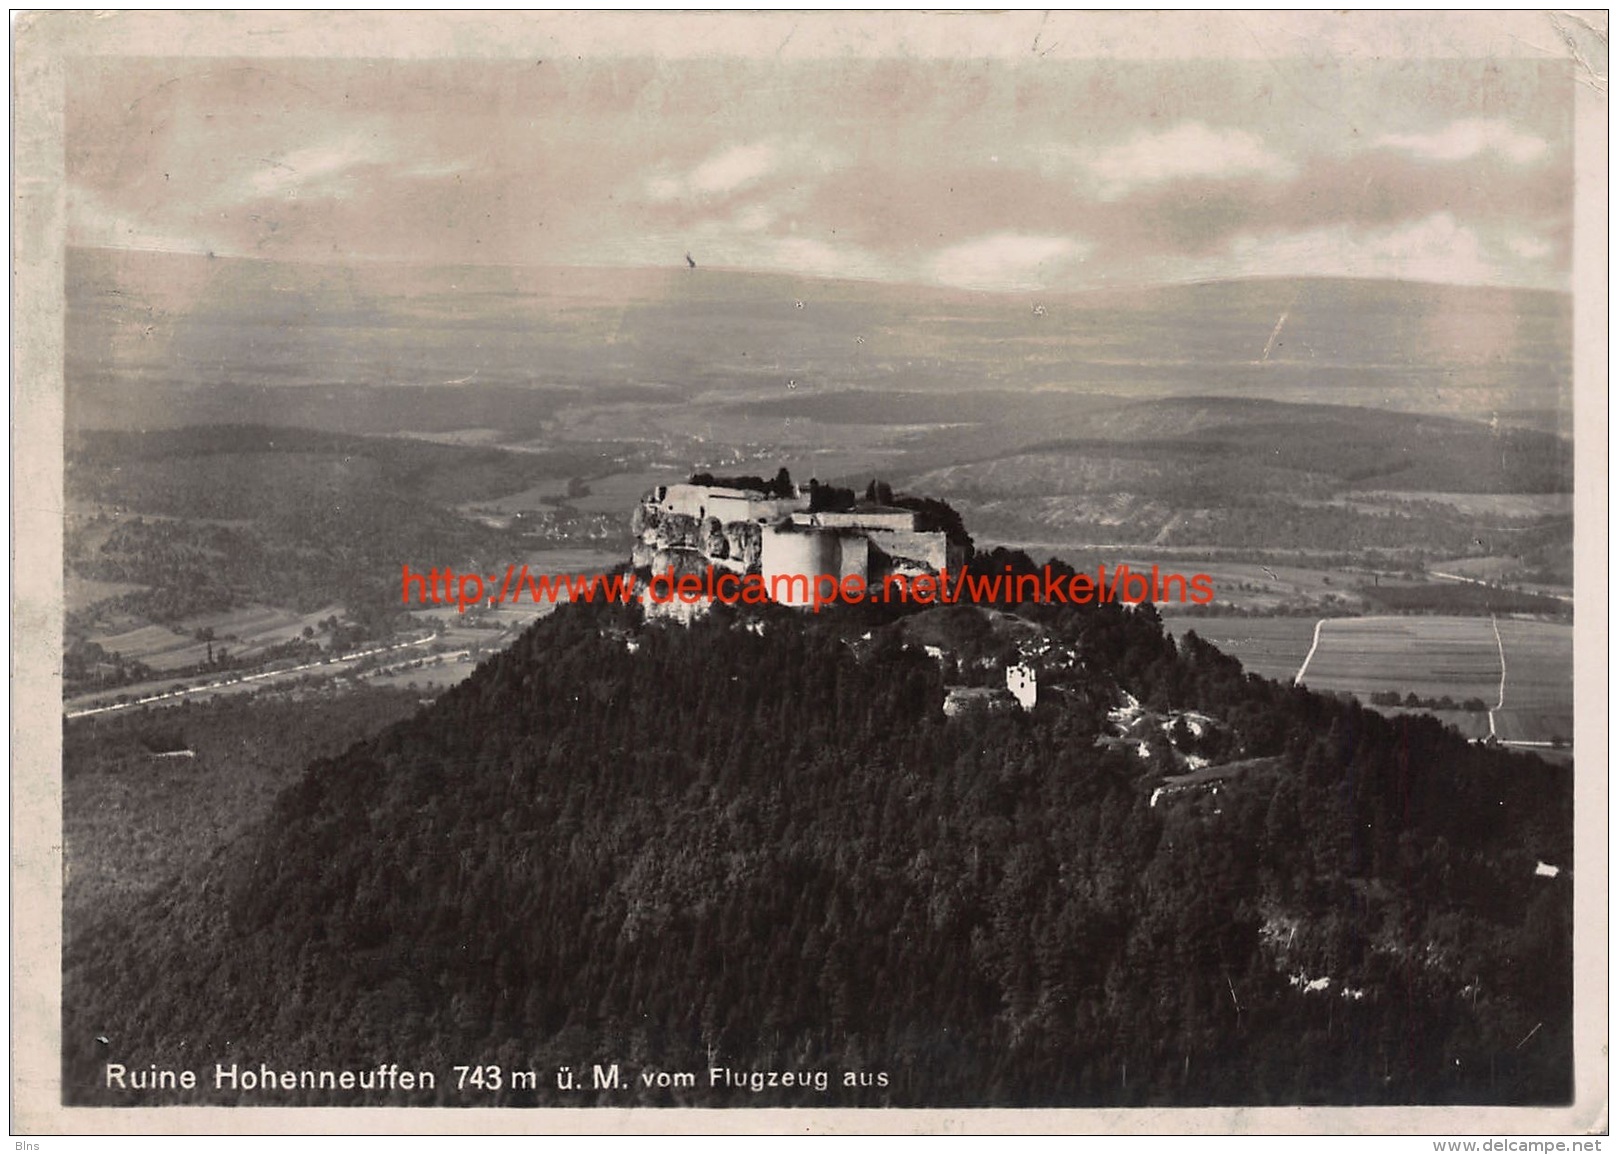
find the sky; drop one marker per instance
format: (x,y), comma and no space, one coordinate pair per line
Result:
(986,174)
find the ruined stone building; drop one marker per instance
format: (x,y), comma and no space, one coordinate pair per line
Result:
(689,526)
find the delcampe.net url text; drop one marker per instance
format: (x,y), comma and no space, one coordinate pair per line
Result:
(444,586)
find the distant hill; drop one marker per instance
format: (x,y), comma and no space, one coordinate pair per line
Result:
(1341,442)
(211,517)
(1221,472)
(162,333)
(1252,444)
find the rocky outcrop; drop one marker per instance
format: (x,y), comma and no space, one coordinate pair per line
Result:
(734,545)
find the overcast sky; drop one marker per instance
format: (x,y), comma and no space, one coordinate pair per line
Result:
(984,174)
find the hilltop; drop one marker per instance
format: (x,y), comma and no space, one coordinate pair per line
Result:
(759,843)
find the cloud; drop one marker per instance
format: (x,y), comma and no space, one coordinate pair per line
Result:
(725,172)
(1466,139)
(755,218)
(93,221)
(1435,248)
(314,170)
(733,169)
(1529,248)
(333,168)
(716,244)
(823,259)
(1189,150)
(1006,261)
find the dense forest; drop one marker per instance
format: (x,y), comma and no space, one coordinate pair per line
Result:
(758,844)
(136,815)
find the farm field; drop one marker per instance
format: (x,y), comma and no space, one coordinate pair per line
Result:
(1237,585)
(1539,681)
(1539,666)
(1523,505)
(487,627)
(1472,723)
(1458,657)
(256,627)
(1270,647)
(1431,657)
(437,673)
(1426,656)
(575,560)
(244,632)
(1533,725)
(1482,569)
(1499,570)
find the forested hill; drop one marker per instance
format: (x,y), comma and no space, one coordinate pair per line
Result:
(760,845)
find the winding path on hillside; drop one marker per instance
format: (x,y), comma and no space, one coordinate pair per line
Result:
(1501,703)
(1297,679)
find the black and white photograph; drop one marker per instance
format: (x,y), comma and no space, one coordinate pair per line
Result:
(1015,568)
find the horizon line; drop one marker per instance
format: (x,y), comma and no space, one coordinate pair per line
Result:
(357,261)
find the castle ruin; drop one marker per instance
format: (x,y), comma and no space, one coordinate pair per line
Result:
(778,529)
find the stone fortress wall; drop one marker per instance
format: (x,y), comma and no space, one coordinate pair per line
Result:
(688,527)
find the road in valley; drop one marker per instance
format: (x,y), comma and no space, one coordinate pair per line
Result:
(333,666)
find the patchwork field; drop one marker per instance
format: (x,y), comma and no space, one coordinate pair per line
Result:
(1519,505)
(1431,657)
(1427,656)
(245,632)
(1458,657)
(1244,586)
(1271,647)
(1539,682)
(158,646)
(433,674)
(1480,569)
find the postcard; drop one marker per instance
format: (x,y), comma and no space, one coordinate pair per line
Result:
(833,571)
